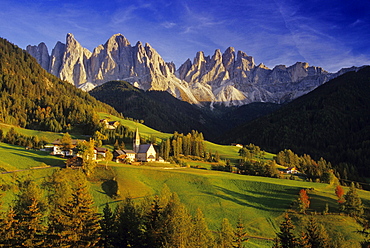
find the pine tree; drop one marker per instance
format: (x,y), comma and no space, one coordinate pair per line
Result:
(129,225)
(316,234)
(177,224)
(26,217)
(201,235)
(108,227)
(240,235)
(286,236)
(153,223)
(353,204)
(226,234)
(76,222)
(9,230)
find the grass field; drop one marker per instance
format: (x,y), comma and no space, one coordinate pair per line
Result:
(259,201)
(18,158)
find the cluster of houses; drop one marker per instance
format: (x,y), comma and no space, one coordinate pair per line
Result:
(139,153)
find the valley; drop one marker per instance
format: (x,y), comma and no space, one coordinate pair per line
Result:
(259,201)
(200,183)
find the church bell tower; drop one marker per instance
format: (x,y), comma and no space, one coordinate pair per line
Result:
(136,143)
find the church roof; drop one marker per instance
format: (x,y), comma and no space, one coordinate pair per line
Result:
(144,148)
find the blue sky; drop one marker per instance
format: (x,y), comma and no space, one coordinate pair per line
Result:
(328,33)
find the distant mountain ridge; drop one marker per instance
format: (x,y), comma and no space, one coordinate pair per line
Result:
(231,78)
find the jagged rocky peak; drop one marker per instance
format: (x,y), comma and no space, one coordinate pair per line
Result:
(228,58)
(116,41)
(41,54)
(244,62)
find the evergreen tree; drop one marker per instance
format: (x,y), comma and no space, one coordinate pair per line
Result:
(27,217)
(353,204)
(286,237)
(201,235)
(240,235)
(154,224)
(316,234)
(108,228)
(129,225)
(177,224)
(76,222)
(9,230)
(226,234)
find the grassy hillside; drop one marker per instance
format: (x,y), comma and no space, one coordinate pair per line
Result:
(18,158)
(260,202)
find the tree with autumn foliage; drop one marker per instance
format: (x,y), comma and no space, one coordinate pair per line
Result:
(339,192)
(303,201)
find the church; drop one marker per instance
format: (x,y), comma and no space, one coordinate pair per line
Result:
(139,153)
(144,152)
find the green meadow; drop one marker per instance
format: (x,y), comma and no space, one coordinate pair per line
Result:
(260,202)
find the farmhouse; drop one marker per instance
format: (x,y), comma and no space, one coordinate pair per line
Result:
(100,152)
(110,124)
(124,155)
(292,170)
(61,149)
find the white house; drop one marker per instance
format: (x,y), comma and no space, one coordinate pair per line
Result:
(58,148)
(124,155)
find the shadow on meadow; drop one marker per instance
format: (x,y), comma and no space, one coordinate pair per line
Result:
(278,200)
(37,156)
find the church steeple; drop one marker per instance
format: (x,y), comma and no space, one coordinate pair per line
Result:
(136,141)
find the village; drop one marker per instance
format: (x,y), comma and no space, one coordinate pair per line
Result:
(140,152)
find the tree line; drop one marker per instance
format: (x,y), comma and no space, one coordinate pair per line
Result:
(67,217)
(191,144)
(14,138)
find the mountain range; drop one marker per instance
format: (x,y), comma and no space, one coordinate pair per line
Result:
(230,78)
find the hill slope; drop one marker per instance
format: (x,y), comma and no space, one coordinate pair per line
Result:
(158,109)
(30,97)
(163,112)
(331,122)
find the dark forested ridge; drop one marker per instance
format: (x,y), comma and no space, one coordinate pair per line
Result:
(161,111)
(333,122)
(158,109)
(32,98)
